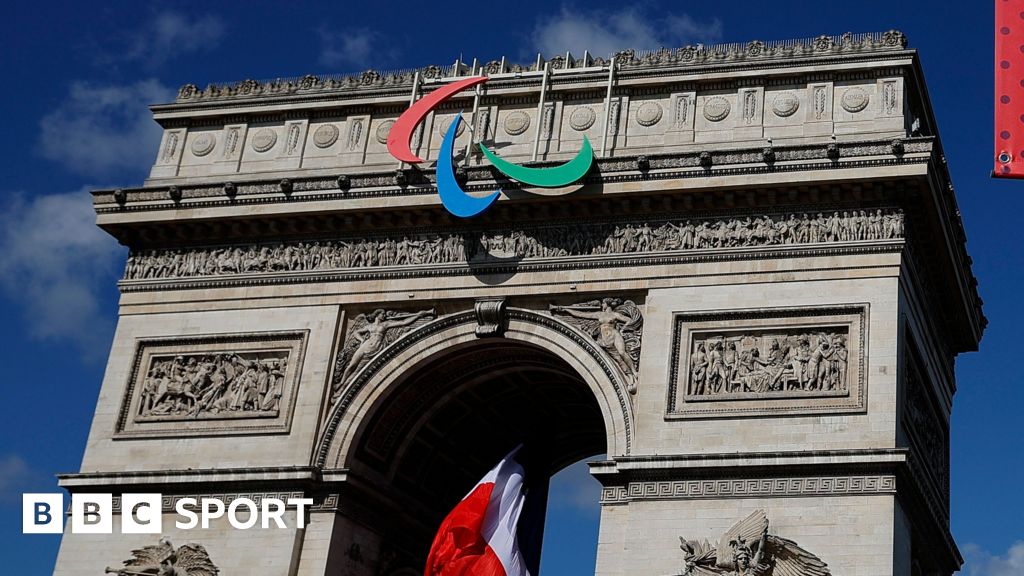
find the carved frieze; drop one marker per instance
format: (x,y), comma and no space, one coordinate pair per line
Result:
(616,325)
(767,361)
(215,384)
(578,239)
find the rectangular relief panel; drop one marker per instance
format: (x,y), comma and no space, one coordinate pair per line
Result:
(766,362)
(212,385)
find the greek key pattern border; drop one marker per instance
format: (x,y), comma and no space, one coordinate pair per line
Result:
(749,488)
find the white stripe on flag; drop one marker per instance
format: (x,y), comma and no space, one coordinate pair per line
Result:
(503,509)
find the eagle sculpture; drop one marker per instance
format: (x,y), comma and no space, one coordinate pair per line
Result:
(747,549)
(164,560)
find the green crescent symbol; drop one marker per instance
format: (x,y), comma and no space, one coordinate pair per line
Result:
(553,177)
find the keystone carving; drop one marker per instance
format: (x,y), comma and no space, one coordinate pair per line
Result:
(490,317)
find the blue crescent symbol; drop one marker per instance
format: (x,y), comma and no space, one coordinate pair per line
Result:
(452,195)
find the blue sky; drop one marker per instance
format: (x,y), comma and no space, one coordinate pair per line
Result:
(78,79)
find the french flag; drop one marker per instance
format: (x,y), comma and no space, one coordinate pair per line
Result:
(478,537)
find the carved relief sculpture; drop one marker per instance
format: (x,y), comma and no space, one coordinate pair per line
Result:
(215,384)
(539,242)
(218,385)
(616,325)
(748,550)
(768,363)
(164,560)
(368,335)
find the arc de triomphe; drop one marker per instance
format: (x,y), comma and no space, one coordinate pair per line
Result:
(749,309)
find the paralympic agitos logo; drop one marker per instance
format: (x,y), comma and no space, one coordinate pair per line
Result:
(454,198)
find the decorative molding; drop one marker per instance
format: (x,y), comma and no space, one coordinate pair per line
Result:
(749,488)
(733,382)
(743,161)
(212,385)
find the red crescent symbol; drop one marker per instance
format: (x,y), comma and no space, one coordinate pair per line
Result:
(401,132)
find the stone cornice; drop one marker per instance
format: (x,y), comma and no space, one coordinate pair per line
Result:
(754,54)
(730,162)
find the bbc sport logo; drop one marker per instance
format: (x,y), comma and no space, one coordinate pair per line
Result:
(143,513)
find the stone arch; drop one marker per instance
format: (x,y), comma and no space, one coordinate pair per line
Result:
(455,331)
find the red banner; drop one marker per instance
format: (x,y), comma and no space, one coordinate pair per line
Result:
(1009,125)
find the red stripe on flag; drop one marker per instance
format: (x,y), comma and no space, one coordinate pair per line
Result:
(1009,121)
(459,548)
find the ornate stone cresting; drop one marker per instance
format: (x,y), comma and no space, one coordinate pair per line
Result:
(626,60)
(164,560)
(226,384)
(645,236)
(747,549)
(616,325)
(368,335)
(768,363)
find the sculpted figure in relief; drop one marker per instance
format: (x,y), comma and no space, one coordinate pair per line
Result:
(573,239)
(164,560)
(747,364)
(616,326)
(369,334)
(747,549)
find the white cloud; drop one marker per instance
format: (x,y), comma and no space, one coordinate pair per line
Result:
(54,263)
(354,48)
(104,130)
(15,476)
(604,33)
(574,487)
(980,563)
(170,34)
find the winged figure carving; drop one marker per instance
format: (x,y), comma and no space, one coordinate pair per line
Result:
(163,559)
(616,325)
(368,335)
(747,549)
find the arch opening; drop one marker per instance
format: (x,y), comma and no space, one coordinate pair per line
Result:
(437,429)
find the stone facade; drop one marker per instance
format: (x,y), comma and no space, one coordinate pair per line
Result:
(751,305)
